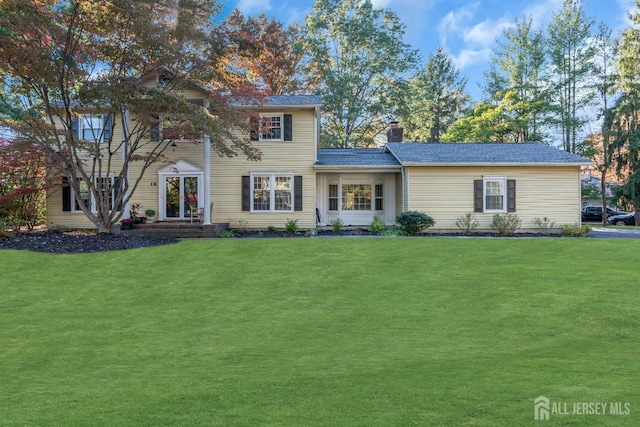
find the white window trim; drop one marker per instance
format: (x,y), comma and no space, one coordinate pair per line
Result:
(92,199)
(502,179)
(272,191)
(98,134)
(264,115)
(161,120)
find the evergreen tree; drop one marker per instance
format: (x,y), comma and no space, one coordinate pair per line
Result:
(571,57)
(435,99)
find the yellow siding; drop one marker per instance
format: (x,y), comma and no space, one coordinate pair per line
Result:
(295,157)
(55,214)
(445,193)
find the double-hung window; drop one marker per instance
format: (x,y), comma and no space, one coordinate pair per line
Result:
(106,186)
(272,193)
(91,128)
(494,194)
(271,127)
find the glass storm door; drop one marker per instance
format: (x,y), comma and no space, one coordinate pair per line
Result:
(181,194)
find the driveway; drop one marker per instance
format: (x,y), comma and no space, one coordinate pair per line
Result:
(615,233)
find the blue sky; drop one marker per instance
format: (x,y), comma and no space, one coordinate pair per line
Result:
(467,29)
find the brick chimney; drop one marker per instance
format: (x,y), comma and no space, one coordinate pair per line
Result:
(394,134)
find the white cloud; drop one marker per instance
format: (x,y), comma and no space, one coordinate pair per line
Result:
(485,33)
(542,12)
(248,6)
(627,6)
(381,4)
(470,57)
(455,21)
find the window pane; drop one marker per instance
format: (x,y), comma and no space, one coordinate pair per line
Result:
(379,193)
(85,195)
(333,197)
(283,193)
(494,191)
(356,197)
(261,193)
(271,128)
(91,127)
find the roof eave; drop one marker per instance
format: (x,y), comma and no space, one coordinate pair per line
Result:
(360,167)
(501,164)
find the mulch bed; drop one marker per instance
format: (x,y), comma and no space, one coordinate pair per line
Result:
(79,242)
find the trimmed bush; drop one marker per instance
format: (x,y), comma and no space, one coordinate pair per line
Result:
(413,222)
(337,225)
(506,224)
(291,226)
(467,223)
(377,225)
(575,230)
(544,225)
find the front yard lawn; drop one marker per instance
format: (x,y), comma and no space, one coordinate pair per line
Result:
(319,332)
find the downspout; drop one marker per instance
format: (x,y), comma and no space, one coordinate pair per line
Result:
(316,131)
(206,141)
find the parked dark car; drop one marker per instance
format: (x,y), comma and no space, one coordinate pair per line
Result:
(594,213)
(626,219)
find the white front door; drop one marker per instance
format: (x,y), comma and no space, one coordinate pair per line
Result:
(180,187)
(181,193)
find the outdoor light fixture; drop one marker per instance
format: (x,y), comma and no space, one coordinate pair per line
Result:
(173,146)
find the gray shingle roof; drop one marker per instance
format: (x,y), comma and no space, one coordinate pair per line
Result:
(293,100)
(482,153)
(358,157)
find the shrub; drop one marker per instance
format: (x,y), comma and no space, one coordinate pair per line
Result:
(225,234)
(150,213)
(243,225)
(377,225)
(271,229)
(413,222)
(506,224)
(4,234)
(544,225)
(467,223)
(291,226)
(337,224)
(575,230)
(392,231)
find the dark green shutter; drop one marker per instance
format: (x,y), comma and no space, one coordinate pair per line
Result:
(108,125)
(116,192)
(478,202)
(75,125)
(254,127)
(511,195)
(66,195)
(297,193)
(246,193)
(288,127)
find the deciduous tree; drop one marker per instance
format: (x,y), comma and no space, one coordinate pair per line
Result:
(64,59)
(267,52)
(358,61)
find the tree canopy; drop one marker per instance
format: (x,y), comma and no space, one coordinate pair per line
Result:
(358,61)
(64,59)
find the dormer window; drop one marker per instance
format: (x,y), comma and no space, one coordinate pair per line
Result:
(164,79)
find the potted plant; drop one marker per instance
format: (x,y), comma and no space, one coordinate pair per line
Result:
(126,224)
(151,214)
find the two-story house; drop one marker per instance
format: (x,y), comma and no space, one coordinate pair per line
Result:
(297,180)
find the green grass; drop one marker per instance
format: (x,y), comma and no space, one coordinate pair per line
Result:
(321,332)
